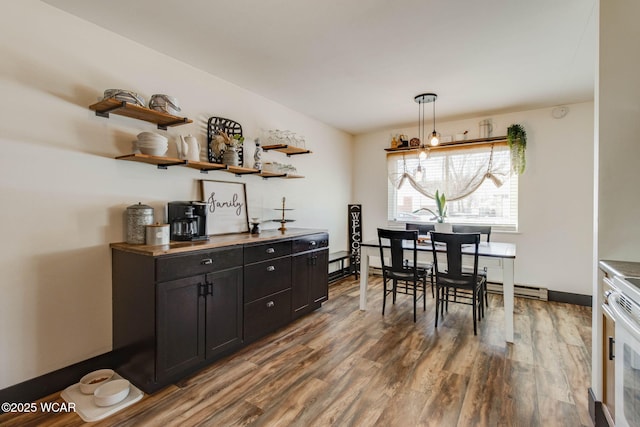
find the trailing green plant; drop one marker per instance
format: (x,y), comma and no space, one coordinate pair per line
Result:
(517,139)
(441,205)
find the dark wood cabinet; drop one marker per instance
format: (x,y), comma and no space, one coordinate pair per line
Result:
(223,311)
(198,318)
(175,311)
(172,313)
(267,288)
(309,273)
(181,317)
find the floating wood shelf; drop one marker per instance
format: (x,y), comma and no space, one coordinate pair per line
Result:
(205,166)
(453,144)
(279,175)
(286,149)
(164,162)
(161,162)
(123,108)
(239,170)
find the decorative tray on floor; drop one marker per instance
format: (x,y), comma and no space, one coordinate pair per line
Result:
(89,411)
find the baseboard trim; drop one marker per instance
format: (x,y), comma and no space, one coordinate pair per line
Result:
(577,299)
(44,385)
(596,411)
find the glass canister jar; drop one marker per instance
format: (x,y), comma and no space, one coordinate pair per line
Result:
(138,217)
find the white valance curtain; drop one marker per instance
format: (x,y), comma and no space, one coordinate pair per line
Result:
(453,171)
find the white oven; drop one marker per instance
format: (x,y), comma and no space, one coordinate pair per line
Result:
(624,303)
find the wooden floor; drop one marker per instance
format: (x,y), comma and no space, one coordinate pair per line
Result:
(344,367)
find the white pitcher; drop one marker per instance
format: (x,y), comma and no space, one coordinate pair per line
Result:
(189,149)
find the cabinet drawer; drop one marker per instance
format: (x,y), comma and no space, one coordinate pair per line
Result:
(267,314)
(195,263)
(265,278)
(266,251)
(313,241)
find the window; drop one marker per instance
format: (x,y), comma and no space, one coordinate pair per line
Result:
(468,176)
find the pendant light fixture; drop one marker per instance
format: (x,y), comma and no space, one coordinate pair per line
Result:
(425,98)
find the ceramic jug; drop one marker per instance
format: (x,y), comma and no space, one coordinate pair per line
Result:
(189,149)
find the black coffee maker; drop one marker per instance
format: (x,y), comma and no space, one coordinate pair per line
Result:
(188,220)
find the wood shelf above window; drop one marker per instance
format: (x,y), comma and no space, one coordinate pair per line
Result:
(289,150)
(123,108)
(467,142)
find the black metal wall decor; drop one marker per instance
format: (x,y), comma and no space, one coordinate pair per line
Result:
(231,128)
(355,235)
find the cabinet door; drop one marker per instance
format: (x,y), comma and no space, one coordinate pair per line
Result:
(319,276)
(180,323)
(224,311)
(608,361)
(300,292)
(309,281)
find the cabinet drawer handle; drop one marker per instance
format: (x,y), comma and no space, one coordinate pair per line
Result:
(271,268)
(206,261)
(312,243)
(270,250)
(271,304)
(612,343)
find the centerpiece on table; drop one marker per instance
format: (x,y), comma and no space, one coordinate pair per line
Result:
(441,206)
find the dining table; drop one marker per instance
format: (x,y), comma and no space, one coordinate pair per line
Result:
(497,257)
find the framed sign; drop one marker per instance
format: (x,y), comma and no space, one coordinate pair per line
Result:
(355,235)
(226,207)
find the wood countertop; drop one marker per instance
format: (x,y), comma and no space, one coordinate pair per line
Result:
(620,268)
(214,242)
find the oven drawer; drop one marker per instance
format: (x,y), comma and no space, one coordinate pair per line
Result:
(201,262)
(267,314)
(266,251)
(265,278)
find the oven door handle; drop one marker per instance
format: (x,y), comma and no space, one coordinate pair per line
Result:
(619,315)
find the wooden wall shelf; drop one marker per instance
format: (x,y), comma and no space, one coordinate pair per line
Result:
(123,108)
(286,149)
(161,162)
(453,144)
(204,167)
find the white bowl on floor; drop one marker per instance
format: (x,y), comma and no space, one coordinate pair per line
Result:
(90,382)
(111,393)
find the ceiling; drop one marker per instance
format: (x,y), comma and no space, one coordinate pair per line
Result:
(357,65)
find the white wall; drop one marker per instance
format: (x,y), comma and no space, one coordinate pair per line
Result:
(554,238)
(618,151)
(63,194)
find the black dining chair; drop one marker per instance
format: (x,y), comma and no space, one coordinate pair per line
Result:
(403,273)
(452,277)
(423,230)
(483,230)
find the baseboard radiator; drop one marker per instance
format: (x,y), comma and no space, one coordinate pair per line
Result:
(540,294)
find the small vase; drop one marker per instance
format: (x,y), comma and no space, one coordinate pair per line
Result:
(230,157)
(443,227)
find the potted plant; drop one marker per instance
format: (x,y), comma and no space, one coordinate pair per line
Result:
(441,206)
(226,148)
(517,139)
